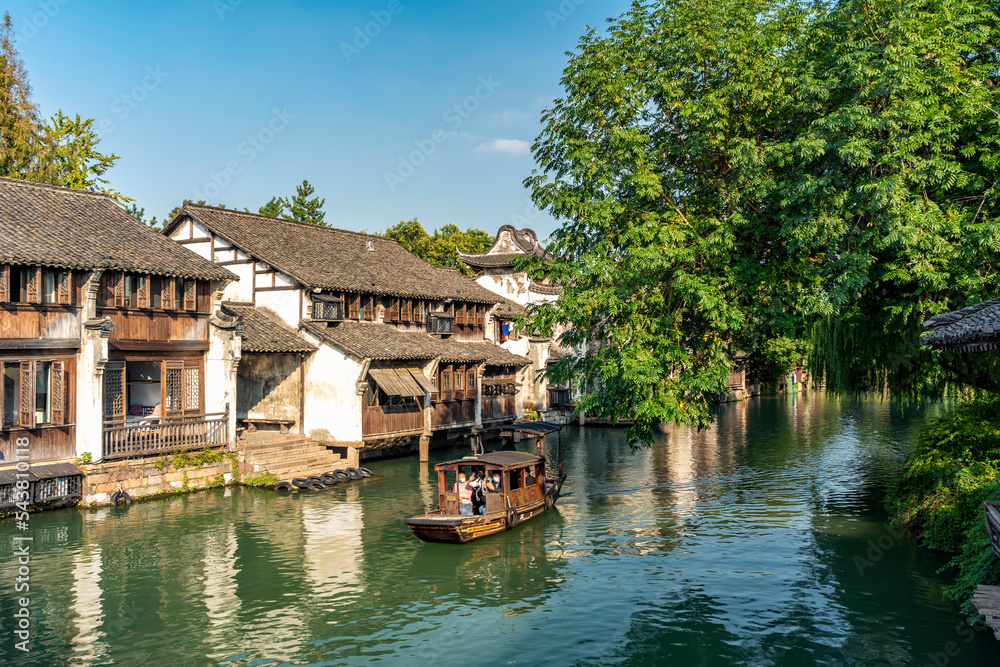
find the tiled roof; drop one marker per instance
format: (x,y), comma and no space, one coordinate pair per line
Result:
(264,332)
(76,229)
(508,309)
(971,329)
(333,259)
(509,244)
(382,342)
(543,288)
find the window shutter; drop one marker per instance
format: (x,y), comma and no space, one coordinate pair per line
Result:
(407,308)
(58,384)
(172,386)
(66,287)
(142,292)
(27,419)
(470,385)
(167,293)
(34,284)
(370,308)
(4,283)
(354,308)
(118,289)
(114,390)
(481,315)
(190,295)
(394,310)
(419,315)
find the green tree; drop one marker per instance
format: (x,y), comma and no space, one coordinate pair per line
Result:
(72,158)
(442,247)
(140,215)
(275,208)
(304,207)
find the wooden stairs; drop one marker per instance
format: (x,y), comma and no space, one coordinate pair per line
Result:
(287,456)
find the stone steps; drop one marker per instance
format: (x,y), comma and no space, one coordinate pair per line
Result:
(289,456)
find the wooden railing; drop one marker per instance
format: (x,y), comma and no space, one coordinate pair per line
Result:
(451,413)
(499,407)
(386,419)
(163,435)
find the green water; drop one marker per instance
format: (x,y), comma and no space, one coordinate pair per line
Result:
(751,544)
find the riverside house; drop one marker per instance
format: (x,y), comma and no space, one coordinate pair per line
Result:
(110,340)
(351,340)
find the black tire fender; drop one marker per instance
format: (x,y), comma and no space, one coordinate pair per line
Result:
(512,518)
(354,473)
(365,472)
(316,479)
(283,486)
(300,483)
(120,496)
(329,479)
(316,486)
(342,476)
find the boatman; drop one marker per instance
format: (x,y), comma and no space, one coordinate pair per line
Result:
(464,491)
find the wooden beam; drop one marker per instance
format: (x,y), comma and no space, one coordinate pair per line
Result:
(277,289)
(233,262)
(207,239)
(40,344)
(159,345)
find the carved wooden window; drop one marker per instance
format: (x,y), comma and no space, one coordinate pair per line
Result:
(167,294)
(66,287)
(449,310)
(418,314)
(118,289)
(4,283)
(114,390)
(369,308)
(460,314)
(445,377)
(27,416)
(141,286)
(192,388)
(471,383)
(34,393)
(190,295)
(407,310)
(460,382)
(33,288)
(393,309)
(481,315)
(172,386)
(354,307)
(58,397)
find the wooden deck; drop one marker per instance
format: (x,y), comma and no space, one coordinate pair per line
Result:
(987,601)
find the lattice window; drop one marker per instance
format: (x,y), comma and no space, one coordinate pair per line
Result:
(192,387)
(4,282)
(114,401)
(393,310)
(142,291)
(369,308)
(471,384)
(66,287)
(58,393)
(418,314)
(406,310)
(167,292)
(354,309)
(173,389)
(33,287)
(190,295)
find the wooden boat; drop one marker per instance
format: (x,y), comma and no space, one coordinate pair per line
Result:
(524,493)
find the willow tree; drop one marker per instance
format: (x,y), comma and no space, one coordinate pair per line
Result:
(731,175)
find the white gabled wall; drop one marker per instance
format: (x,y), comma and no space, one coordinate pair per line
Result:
(332,404)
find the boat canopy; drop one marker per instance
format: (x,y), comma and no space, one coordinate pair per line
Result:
(529,428)
(496,459)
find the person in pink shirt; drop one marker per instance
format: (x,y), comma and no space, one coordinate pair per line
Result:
(464,491)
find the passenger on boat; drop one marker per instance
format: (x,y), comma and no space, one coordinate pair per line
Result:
(464,491)
(493,484)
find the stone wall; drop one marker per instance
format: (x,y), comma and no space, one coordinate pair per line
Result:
(141,478)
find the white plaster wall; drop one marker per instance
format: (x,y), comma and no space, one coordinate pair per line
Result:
(221,364)
(284,304)
(332,404)
(242,290)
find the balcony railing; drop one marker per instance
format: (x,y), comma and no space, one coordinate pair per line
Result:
(439,323)
(149,436)
(378,420)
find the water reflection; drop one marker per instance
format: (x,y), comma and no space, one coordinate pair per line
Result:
(735,545)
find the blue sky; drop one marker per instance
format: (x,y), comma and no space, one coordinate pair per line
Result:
(235,101)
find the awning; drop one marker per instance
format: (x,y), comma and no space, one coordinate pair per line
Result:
(423,381)
(397,381)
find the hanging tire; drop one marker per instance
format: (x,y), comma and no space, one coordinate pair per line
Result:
(512,518)
(120,496)
(329,479)
(342,476)
(300,483)
(315,485)
(354,473)
(283,486)
(365,472)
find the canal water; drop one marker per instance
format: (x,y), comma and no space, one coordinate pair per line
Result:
(760,542)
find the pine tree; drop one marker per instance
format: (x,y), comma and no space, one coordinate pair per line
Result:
(303,207)
(274,208)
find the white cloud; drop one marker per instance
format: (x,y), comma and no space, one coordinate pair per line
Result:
(507,146)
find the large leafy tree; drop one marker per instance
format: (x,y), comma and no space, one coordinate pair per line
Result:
(733,175)
(62,151)
(442,247)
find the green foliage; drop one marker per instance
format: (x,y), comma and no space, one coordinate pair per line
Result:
(302,206)
(63,151)
(263,481)
(186,459)
(731,173)
(951,472)
(86,457)
(275,208)
(140,215)
(442,247)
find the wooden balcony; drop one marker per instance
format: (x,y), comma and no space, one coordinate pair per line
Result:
(379,420)
(149,436)
(446,414)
